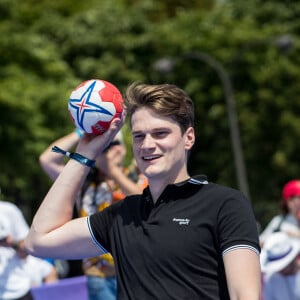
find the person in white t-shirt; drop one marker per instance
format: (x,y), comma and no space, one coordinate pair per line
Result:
(14,282)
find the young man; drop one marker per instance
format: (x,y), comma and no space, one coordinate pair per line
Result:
(183,238)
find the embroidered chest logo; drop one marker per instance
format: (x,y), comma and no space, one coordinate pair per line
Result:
(181,221)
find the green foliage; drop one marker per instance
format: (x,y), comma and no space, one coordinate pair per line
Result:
(48,47)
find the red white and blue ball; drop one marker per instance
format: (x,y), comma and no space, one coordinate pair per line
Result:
(94,104)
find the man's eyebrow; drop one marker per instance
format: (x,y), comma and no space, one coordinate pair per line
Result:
(137,131)
(152,130)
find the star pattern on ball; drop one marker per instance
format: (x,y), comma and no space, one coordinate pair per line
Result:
(84,104)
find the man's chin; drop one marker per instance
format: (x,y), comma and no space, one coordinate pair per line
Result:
(150,173)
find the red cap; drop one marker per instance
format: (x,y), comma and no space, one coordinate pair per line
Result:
(291,189)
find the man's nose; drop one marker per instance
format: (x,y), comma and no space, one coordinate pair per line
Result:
(148,142)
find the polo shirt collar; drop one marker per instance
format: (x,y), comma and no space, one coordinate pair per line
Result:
(178,190)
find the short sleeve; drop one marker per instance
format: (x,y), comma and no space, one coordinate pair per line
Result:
(236,223)
(100,226)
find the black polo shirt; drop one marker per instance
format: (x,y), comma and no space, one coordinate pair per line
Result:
(173,249)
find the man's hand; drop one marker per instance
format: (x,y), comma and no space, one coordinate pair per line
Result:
(91,146)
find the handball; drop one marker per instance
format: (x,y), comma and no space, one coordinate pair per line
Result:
(94,104)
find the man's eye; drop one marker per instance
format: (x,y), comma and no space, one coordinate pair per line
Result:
(160,134)
(138,136)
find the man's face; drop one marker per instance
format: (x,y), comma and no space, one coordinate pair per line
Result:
(159,146)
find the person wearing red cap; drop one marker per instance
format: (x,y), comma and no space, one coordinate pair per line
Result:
(289,220)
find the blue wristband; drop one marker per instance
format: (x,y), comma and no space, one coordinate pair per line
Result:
(76,156)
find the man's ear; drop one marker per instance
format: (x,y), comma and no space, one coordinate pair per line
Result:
(189,138)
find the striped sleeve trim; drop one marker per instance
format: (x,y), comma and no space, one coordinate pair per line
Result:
(94,238)
(236,247)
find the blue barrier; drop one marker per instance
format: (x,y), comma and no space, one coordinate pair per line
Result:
(73,288)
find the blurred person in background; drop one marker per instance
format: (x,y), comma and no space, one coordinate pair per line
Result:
(289,220)
(279,264)
(19,272)
(15,284)
(107,183)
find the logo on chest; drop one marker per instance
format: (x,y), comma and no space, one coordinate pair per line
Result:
(180,221)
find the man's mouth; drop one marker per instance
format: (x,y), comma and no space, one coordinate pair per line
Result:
(150,157)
